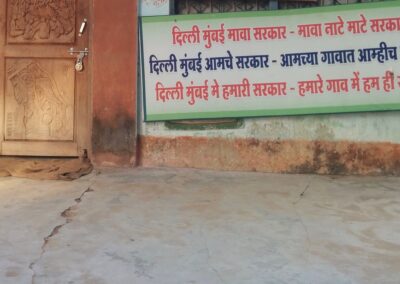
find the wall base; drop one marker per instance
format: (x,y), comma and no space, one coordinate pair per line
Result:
(114,160)
(289,156)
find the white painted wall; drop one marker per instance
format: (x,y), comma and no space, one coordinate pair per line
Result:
(365,127)
(154,7)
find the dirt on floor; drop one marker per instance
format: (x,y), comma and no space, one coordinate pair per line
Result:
(45,168)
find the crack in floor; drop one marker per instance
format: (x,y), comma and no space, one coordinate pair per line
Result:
(209,257)
(303,192)
(304,227)
(67,214)
(299,216)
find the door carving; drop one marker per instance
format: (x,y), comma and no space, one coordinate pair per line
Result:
(45,21)
(44,101)
(39,99)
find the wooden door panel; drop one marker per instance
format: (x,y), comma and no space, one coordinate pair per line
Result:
(39,99)
(33,21)
(26,148)
(43,100)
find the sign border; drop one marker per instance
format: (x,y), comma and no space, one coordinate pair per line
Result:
(260,113)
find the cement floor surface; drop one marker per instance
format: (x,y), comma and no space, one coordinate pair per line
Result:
(173,226)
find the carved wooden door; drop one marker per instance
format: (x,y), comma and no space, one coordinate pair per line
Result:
(43,99)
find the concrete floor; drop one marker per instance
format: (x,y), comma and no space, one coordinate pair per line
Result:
(167,226)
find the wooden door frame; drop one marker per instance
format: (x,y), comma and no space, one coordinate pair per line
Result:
(88,149)
(3,21)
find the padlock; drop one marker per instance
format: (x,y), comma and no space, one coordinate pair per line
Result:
(79,66)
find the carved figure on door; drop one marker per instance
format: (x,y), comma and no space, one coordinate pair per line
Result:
(41,110)
(41,21)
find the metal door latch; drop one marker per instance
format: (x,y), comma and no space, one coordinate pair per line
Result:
(79,59)
(83,26)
